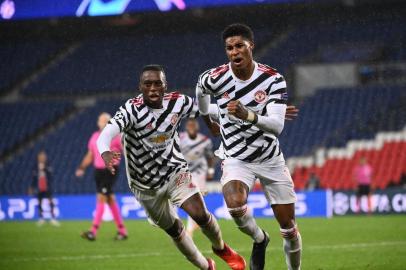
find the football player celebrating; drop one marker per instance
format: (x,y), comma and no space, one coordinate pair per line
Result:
(251,98)
(157,172)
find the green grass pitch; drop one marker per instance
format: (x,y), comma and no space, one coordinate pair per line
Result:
(364,242)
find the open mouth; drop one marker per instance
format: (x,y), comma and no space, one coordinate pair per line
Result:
(237,61)
(154,96)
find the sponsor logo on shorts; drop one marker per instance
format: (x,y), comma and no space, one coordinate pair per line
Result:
(183,178)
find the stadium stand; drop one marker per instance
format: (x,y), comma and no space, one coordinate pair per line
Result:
(21,119)
(65,148)
(113,64)
(331,117)
(328,120)
(110,65)
(21,58)
(386,154)
(353,40)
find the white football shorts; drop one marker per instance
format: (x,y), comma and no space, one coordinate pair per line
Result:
(159,204)
(275,178)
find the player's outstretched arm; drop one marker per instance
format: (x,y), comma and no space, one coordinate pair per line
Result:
(103,145)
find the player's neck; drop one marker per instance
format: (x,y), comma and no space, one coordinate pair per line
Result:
(244,73)
(192,136)
(154,105)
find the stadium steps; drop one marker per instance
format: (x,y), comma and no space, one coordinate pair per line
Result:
(272,44)
(386,153)
(14,93)
(32,138)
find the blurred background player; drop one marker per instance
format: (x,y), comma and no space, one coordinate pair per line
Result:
(363,178)
(42,185)
(313,183)
(104,182)
(198,151)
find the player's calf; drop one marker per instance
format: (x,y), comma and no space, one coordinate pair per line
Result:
(246,223)
(211,230)
(292,246)
(185,245)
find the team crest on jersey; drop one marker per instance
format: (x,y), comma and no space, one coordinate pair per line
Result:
(260,96)
(225,95)
(149,126)
(174,119)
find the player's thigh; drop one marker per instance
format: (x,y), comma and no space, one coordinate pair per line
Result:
(195,207)
(40,197)
(277,184)
(158,208)
(284,214)
(184,193)
(181,188)
(237,180)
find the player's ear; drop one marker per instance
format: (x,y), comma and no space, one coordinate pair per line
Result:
(252,45)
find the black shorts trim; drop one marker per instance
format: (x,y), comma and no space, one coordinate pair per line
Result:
(363,190)
(44,195)
(105,180)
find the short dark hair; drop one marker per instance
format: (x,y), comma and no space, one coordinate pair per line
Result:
(238,29)
(153,67)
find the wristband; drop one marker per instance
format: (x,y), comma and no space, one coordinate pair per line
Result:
(210,171)
(252,117)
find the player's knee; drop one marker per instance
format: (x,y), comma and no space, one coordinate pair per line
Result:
(110,198)
(176,230)
(235,201)
(238,212)
(289,233)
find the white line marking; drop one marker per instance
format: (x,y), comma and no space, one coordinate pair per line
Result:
(148,254)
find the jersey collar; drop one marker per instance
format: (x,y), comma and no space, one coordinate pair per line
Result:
(242,81)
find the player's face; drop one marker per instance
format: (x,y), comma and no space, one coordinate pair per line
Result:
(239,52)
(102,121)
(42,157)
(192,128)
(153,87)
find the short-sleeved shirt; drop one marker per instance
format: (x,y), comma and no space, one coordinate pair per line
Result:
(115,146)
(363,174)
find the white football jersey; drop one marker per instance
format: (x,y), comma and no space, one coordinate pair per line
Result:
(241,139)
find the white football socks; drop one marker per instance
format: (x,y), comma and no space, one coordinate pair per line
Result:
(292,246)
(185,245)
(246,223)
